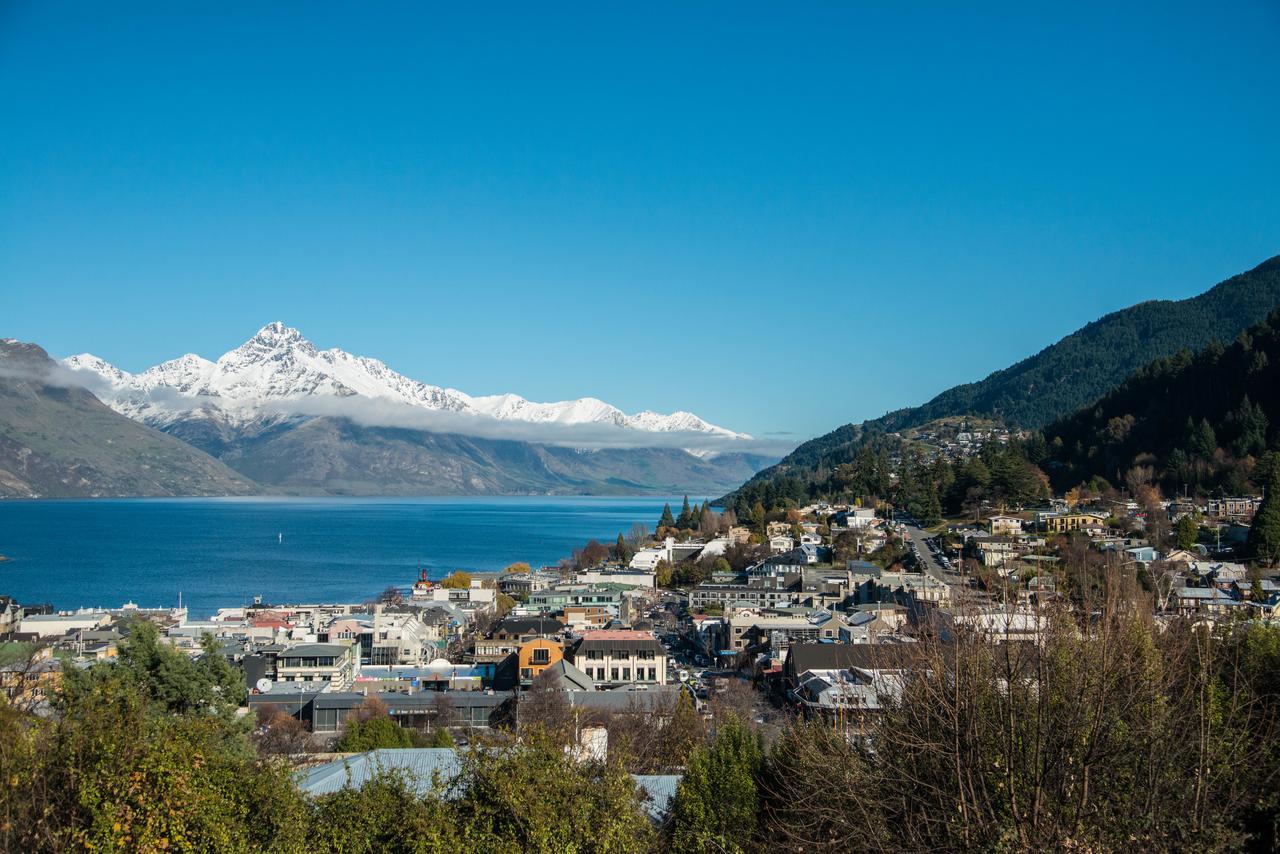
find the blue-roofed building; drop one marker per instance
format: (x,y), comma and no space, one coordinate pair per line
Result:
(433,769)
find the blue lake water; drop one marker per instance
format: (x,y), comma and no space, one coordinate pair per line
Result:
(224,551)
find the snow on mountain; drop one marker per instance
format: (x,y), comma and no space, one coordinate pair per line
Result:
(278,365)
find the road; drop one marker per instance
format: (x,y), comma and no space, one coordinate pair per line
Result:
(932,565)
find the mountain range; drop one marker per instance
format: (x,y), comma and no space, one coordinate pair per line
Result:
(1065,376)
(279,415)
(277,372)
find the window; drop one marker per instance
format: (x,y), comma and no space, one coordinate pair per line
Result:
(653,676)
(542,655)
(626,674)
(614,674)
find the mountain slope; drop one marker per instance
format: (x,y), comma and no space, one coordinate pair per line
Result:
(1187,421)
(338,456)
(1070,373)
(58,440)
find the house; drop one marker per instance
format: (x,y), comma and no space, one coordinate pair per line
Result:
(873,659)
(845,694)
(1009,526)
(621,656)
(535,656)
(863,627)
(781,543)
(997,551)
(331,664)
(1204,600)
(28,682)
(858,517)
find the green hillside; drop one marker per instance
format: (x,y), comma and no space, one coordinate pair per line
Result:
(1063,377)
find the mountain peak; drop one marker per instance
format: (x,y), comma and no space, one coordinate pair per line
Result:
(276,334)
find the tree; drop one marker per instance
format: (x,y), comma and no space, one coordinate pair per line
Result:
(1187,531)
(716,804)
(758,517)
(391,595)
(517,568)
(667,520)
(457,580)
(686,519)
(441,738)
(662,574)
(533,795)
(280,734)
(504,604)
(170,681)
(1264,535)
(370,727)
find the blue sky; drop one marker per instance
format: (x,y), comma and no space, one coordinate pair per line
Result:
(780,216)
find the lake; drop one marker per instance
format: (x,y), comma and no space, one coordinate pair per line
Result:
(224,551)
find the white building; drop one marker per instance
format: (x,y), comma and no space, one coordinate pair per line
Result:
(57,625)
(621,657)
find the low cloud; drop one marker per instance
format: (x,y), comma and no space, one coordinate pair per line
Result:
(376,412)
(380,412)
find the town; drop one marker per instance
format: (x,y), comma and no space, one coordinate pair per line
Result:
(818,613)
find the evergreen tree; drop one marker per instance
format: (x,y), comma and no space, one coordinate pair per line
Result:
(716,806)
(667,520)
(1202,441)
(1187,532)
(1264,535)
(685,520)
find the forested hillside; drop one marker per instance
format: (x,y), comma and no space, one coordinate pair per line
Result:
(1064,376)
(1199,422)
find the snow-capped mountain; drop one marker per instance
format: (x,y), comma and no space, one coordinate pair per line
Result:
(278,366)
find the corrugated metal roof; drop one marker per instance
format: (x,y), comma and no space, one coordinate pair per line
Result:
(426,767)
(434,768)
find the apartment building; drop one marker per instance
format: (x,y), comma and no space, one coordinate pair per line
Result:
(621,657)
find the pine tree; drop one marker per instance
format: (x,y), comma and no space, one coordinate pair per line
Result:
(667,520)
(716,807)
(685,520)
(1264,535)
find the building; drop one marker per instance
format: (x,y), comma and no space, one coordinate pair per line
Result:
(588,616)
(535,656)
(1062,523)
(57,625)
(507,636)
(1008,526)
(626,578)
(621,657)
(1234,508)
(333,664)
(763,592)
(748,629)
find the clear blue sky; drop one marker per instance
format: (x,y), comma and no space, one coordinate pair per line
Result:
(781,216)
